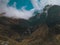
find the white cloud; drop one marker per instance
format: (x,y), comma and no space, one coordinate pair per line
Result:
(54,2)
(12,12)
(49,2)
(35,4)
(39,5)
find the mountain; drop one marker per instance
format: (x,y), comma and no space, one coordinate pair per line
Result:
(48,31)
(14,29)
(41,29)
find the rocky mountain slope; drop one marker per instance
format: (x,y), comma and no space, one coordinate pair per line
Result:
(42,29)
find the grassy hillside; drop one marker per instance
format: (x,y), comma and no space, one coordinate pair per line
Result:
(42,29)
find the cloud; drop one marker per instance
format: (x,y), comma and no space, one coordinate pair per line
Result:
(40,4)
(12,12)
(35,4)
(43,3)
(54,2)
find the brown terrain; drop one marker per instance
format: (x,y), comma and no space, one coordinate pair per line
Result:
(17,32)
(38,37)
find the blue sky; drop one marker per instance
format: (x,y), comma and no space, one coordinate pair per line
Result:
(21,3)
